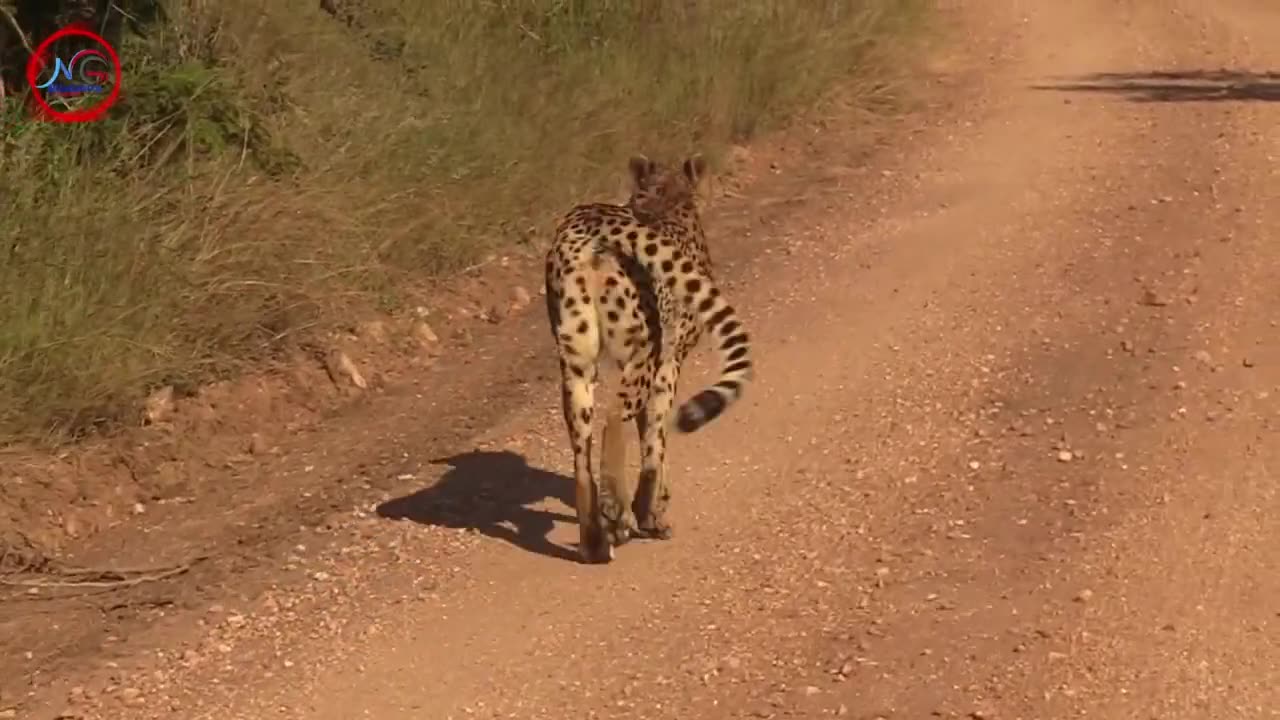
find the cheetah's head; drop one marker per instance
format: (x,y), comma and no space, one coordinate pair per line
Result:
(660,189)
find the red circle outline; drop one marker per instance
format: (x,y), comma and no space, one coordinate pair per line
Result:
(37,61)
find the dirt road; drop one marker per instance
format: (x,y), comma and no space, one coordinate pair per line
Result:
(1010,453)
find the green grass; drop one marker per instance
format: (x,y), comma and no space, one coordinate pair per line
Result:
(269,166)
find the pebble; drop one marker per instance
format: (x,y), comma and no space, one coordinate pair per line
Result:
(340,366)
(520,298)
(1152,298)
(1065,456)
(257,445)
(425,335)
(372,330)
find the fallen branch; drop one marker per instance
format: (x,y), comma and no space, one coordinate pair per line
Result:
(101,578)
(17,29)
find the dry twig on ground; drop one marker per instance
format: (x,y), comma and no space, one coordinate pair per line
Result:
(111,578)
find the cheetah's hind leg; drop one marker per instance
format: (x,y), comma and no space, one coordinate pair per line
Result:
(615,492)
(579,399)
(653,489)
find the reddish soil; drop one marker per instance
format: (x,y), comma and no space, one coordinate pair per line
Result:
(1008,454)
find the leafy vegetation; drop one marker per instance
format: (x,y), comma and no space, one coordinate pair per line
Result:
(270,163)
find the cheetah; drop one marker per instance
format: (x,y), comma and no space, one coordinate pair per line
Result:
(633,284)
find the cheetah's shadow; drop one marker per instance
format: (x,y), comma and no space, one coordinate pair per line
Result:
(490,492)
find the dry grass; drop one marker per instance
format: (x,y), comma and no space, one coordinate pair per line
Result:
(270,165)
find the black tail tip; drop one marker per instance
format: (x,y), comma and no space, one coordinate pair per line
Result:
(700,410)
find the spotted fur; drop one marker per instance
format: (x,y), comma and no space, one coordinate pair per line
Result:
(633,284)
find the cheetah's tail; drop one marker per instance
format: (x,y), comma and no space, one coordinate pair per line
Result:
(723,328)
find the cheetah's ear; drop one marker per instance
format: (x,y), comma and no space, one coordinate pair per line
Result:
(695,168)
(641,168)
